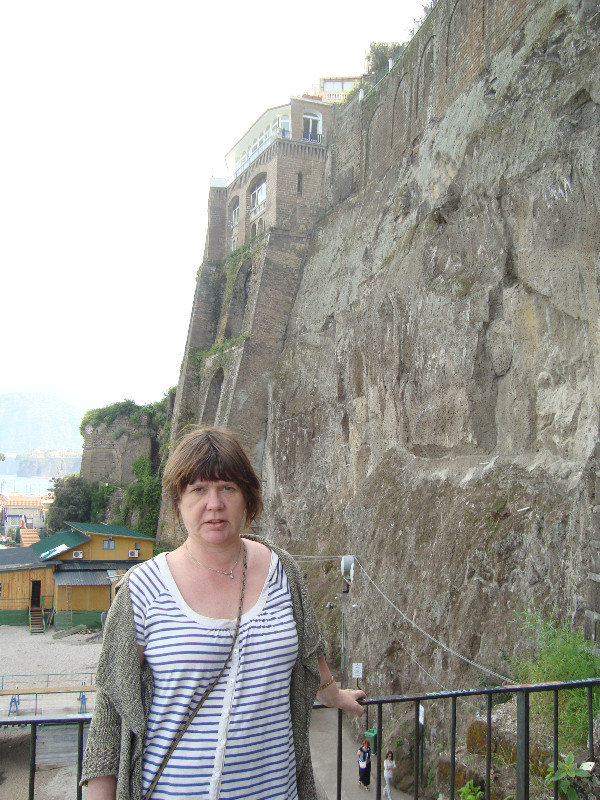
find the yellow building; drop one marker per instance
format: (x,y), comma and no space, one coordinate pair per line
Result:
(67,578)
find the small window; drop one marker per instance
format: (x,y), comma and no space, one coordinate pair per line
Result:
(311,126)
(137,546)
(253,229)
(261,225)
(108,544)
(259,195)
(235,214)
(299,183)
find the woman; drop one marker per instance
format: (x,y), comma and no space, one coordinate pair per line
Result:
(222,627)
(364,765)
(389,765)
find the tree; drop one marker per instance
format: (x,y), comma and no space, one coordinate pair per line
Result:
(71,502)
(380,53)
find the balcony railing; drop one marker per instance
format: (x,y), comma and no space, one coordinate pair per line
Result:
(316,138)
(278,133)
(254,212)
(522,766)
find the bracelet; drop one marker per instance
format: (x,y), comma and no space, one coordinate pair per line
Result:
(325,685)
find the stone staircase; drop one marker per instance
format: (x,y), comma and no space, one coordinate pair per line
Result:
(36,621)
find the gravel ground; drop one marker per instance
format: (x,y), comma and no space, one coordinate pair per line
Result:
(31,657)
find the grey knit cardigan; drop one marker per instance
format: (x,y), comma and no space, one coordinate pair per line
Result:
(116,736)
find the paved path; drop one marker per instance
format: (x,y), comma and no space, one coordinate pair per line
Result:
(323,745)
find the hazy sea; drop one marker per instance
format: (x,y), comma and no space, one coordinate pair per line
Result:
(15,483)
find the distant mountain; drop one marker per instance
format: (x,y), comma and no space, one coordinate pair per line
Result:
(33,421)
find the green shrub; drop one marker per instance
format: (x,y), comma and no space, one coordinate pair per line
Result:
(470,792)
(144,496)
(559,653)
(566,772)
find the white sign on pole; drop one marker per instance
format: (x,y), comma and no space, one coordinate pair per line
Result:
(421,714)
(357,670)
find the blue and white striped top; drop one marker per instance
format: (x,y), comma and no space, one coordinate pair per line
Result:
(240,744)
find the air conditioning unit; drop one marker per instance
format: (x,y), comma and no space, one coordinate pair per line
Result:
(134,554)
(77,553)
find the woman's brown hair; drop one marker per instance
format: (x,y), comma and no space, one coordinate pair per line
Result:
(211,454)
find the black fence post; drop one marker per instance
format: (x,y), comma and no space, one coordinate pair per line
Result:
(523,745)
(32,745)
(379,748)
(453,748)
(555,741)
(416,752)
(590,699)
(339,755)
(488,749)
(79,757)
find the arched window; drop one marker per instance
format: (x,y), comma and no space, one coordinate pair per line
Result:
(234,212)
(258,193)
(253,229)
(312,126)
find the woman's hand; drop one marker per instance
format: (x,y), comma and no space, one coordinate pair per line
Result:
(333,697)
(346,699)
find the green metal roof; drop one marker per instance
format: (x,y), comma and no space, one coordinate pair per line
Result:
(107,530)
(58,543)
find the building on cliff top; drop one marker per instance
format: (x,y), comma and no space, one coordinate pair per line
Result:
(276,172)
(259,223)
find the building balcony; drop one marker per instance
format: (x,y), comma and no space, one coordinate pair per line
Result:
(315,138)
(257,210)
(278,133)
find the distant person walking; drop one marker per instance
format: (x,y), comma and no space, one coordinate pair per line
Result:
(364,765)
(389,765)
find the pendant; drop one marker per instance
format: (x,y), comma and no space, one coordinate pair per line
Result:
(231,575)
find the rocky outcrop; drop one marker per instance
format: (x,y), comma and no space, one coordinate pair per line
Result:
(435,408)
(429,400)
(110,450)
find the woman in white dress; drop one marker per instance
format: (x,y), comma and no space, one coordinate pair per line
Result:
(389,767)
(227,644)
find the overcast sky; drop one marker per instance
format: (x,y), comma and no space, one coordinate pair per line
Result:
(114,117)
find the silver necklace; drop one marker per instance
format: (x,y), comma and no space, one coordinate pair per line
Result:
(228,572)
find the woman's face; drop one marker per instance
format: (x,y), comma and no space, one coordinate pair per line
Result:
(213,511)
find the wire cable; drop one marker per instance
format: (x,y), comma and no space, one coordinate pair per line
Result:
(429,636)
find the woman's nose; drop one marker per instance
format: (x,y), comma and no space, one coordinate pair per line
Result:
(214,498)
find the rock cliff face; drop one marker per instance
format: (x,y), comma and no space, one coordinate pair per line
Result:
(110,450)
(434,407)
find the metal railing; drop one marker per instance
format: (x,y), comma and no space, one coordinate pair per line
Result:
(315,138)
(522,766)
(277,133)
(24,603)
(44,679)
